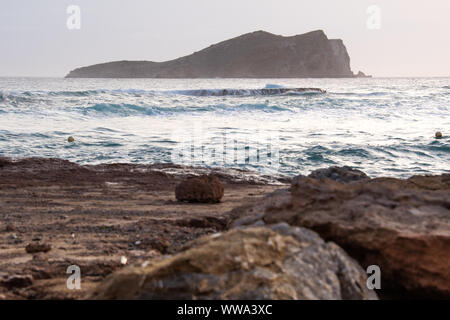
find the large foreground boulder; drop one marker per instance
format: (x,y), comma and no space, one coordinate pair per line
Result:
(281,262)
(205,189)
(403,226)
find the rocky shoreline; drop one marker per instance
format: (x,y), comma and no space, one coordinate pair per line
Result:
(268,238)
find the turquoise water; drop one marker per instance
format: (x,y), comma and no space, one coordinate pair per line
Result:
(381,126)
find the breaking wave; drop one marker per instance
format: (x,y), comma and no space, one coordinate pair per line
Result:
(268,90)
(382,126)
(250,92)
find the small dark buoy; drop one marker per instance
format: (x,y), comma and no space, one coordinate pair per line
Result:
(438,135)
(70,139)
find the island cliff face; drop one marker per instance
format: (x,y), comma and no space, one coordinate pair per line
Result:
(254,55)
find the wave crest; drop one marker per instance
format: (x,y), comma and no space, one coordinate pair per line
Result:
(249,92)
(269,90)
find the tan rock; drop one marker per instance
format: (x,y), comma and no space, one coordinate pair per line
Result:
(253,263)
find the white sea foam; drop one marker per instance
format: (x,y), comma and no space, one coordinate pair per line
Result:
(382,126)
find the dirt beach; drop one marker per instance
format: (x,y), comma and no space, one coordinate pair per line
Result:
(123,219)
(96,217)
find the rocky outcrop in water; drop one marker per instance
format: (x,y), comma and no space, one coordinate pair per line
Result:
(403,226)
(254,55)
(280,262)
(340,174)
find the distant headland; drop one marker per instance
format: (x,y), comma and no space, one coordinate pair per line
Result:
(258,54)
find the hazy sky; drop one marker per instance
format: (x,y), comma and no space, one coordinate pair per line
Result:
(413,39)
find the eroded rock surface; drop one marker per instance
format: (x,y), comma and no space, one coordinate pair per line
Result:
(403,226)
(280,262)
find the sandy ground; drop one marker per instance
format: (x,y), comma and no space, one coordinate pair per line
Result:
(92,216)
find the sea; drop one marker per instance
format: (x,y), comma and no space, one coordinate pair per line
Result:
(382,126)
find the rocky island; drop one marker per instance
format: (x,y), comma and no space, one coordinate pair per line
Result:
(258,54)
